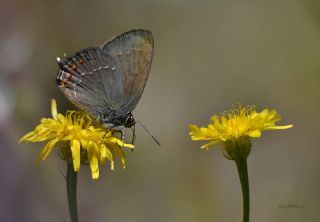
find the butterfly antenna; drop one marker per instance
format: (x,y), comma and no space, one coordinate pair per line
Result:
(155,140)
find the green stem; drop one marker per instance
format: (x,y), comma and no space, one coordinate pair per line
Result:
(72,192)
(244,179)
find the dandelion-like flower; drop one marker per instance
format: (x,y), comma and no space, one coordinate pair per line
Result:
(234,129)
(77,140)
(237,126)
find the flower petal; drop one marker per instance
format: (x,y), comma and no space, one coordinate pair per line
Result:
(93,151)
(255,133)
(208,145)
(75,150)
(279,127)
(46,150)
(118,151)
(54,111)
(106,153)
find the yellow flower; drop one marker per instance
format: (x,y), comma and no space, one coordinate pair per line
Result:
(236,124)
(77,140)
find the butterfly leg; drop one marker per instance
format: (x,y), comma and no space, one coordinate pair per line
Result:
(121,129)
(105,135)
(117,128)
(133,128)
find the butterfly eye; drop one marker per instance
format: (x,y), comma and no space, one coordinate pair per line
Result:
(130,121)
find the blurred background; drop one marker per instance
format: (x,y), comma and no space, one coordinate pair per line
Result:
(209,56)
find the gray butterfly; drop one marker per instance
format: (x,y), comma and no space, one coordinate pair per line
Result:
(108,81)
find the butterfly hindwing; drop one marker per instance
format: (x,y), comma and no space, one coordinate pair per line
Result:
(133,52)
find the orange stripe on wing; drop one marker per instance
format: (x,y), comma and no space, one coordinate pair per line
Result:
(62,81)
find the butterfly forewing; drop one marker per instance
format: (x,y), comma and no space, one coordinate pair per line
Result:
(91,80)
(133,52)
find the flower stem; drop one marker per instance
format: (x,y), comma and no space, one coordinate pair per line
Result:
(244,179)
(72,192)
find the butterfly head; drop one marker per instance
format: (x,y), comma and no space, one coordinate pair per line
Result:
(130,121)
(113,121)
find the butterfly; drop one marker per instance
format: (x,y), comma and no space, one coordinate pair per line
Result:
(108,81)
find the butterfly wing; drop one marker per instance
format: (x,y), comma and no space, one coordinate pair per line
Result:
(91,80)
(133,52)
